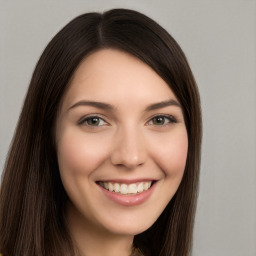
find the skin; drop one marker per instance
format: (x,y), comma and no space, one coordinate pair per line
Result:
(125,142)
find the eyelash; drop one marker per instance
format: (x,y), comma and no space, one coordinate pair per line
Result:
(168,119)
(86,119)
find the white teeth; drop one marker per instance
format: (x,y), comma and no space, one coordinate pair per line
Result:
(116,187)
(146,186)
(132,189)
(110,186)
(140,187)
(125,189)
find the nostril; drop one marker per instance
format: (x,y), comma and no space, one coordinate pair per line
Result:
(129,148)
(130,160)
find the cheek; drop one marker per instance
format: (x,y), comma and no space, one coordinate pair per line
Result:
(171,154)
(76,153)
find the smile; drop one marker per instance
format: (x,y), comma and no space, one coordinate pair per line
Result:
(126,189)
(128,193)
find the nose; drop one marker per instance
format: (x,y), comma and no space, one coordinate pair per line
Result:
(129,149)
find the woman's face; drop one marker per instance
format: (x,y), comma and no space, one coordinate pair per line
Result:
(121,143)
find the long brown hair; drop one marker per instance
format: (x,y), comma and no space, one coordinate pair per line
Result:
(32,220)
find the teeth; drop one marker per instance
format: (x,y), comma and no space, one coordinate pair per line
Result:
(106,185)
(132,188)
(110,186)
(141,187)
(125,189)
(146,186)
(116,187)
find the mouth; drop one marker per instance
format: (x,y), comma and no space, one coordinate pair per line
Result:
(126,189)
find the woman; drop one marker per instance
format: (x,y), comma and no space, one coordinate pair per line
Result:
(105,158)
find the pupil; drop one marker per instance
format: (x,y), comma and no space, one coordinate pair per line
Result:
(94,121)
(159,120)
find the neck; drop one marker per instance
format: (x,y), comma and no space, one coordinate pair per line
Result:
(92,240)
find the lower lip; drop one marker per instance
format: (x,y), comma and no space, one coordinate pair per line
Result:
(129,200)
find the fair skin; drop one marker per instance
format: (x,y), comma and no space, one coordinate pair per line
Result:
(120,128)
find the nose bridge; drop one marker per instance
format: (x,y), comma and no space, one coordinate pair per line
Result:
(129,148)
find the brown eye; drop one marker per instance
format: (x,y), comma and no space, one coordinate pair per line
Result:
(93,121)
(162,120)
(159,120)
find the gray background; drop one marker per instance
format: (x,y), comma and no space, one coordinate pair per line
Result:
(219,39)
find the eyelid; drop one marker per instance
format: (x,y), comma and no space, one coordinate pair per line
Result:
(171,118)
(86,117)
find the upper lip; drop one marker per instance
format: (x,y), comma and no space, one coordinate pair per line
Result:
(127,181)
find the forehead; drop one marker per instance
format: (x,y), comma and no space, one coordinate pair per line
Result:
(110,74)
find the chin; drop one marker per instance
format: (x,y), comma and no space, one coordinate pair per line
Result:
(132,225)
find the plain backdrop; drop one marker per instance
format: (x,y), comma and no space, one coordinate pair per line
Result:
(219,39)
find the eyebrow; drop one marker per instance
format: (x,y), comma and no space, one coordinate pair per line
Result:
(163,104)
(106,106)
(96,104)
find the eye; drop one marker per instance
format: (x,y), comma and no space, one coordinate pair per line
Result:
(93,121)
(161,120)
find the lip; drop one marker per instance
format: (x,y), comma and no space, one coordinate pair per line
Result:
(129,200)
(128,181)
